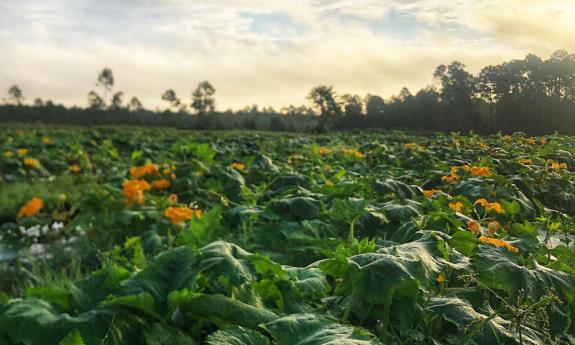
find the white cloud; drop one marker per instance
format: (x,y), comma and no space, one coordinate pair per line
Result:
(54,49)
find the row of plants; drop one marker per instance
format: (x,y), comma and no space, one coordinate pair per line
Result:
(131,236)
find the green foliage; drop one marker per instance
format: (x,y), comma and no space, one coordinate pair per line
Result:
(262,239)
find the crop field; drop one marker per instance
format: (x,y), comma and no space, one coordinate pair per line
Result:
(133,236)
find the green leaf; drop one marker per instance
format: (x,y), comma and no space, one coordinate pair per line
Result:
(464,241)
(169,271)
(310,329)
(161,334)
(143,301)
(237,336)
(73,338)
(297,208)
(220,307)
(399,188)
(475,327)
(223,259)
(201,231)
(54,295)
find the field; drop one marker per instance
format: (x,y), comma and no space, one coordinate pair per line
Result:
(132,236)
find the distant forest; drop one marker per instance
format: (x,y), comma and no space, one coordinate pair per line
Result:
(532,95)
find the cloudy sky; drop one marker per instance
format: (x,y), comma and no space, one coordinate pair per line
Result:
(269,52)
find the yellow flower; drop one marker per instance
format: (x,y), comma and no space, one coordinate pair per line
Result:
(22,152)
(493,227)
(480,171)
(75,168)
(558,166)
(440,278)
(181,214)
(161,184)
(410,145)
(134,191)
(430,192)
(353,152)
(498,243)
(238,166)
(46,140)
(473,226)
(31,208)
(507,138)
(9,154)
(31,163)
(329,183)
(453,177)
(147,169)
(456,206)
(525,161)
(489,206)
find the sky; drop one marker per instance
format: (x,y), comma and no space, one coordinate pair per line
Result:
(265,52)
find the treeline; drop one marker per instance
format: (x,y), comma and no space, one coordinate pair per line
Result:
(532,95)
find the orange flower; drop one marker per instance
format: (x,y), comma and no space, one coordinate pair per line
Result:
(473,226)
(323,150)
(31,163)
(456,206)
(147,169)
(531,141)
(181,214)
(173,199)
(353,152)
(22,152)
(430,192)
(410,145)
(489,206)
(493,227)
(31,208)
(440,278)
(238,166)
(75,168)
(161,184)
(498,243)
(480,171)
(134,191)
(558,166)
(453,177)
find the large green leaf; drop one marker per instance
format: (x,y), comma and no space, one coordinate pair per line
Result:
(223,259)
(475,327)
(237,336)
(219,307)
(169,271)
(310,329)
(32,321)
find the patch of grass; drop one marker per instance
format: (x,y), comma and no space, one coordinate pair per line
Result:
(14,195)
